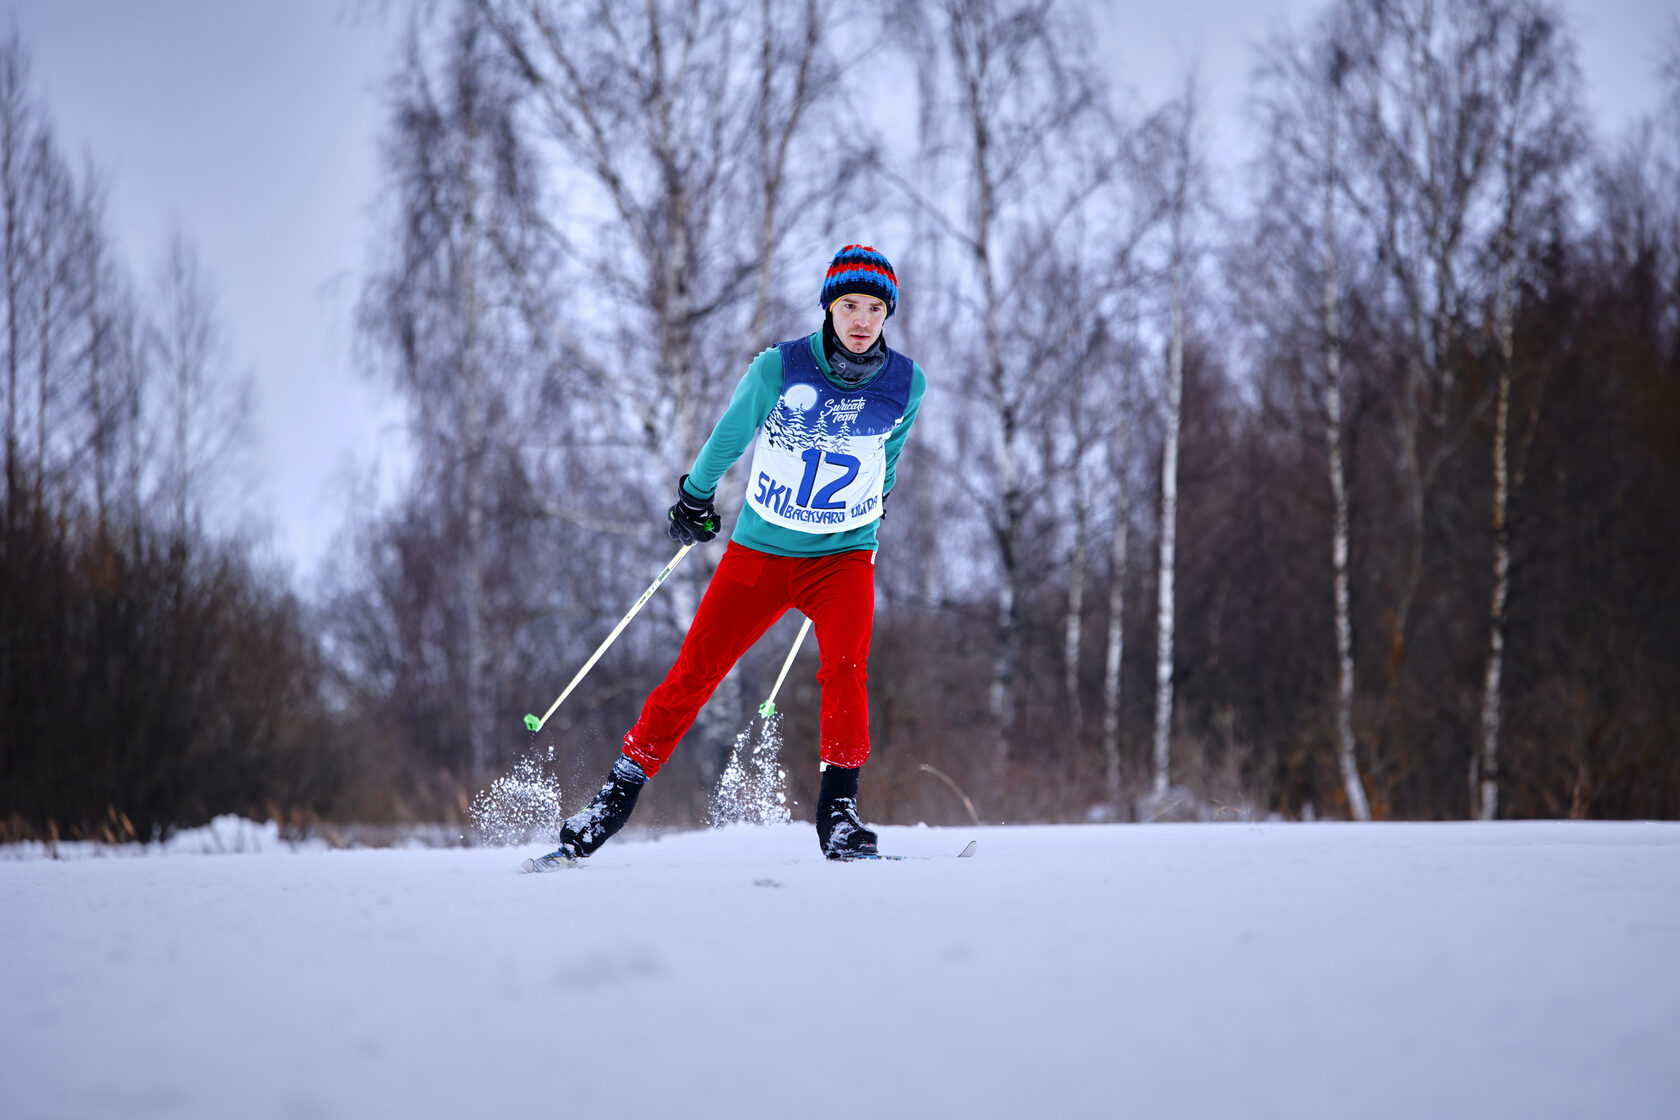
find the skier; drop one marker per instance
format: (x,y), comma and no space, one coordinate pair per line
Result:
(828,415)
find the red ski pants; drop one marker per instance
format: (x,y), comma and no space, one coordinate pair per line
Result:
(749,592)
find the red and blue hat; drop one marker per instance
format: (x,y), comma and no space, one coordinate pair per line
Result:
(860,269)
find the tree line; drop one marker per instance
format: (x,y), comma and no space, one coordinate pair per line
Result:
(1343,489)
(153,672)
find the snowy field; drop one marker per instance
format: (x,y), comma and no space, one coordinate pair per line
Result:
(1229,970)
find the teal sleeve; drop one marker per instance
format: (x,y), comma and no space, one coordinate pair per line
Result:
(755,397)
(895,442)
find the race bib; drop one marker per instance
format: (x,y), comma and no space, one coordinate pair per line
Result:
(821,463)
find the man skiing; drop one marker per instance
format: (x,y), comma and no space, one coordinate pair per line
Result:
(827,415)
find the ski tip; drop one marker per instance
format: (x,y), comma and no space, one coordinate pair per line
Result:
(551,862)
(967,852)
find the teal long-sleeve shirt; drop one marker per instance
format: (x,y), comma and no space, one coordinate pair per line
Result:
(755,398)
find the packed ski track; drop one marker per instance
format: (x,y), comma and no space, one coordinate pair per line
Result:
(1255,970)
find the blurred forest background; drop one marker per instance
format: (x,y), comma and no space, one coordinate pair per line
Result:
(1350,489)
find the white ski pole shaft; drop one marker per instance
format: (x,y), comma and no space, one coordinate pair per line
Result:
(532,723)
(768,708)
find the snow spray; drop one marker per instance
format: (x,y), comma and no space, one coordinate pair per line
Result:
(753,788)
(521,806)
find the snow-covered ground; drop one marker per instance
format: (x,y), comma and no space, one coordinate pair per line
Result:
(1229,970)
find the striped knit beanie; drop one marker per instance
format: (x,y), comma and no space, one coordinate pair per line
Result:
(860,269)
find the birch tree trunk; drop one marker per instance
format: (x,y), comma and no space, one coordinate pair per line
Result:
(1011,132)
(1168,562)
(473,448)
(1346,744)
(1007,655)
(1484,771)
(1346,755)
(1184,185)
(1484,761)
(1073,626)
(1118,559)
(1541,136)
(1421,145)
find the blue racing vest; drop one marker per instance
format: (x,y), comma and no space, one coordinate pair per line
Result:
(821,458)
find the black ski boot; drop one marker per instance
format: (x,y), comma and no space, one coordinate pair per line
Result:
(839,830)
(606,813)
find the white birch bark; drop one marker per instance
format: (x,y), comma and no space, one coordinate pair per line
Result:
(1540,137)
(1346,744)
(1485,773)
(1484,765)
(1116,649)
(1346,755)
(1073,627)
(1006,662)
(1169,526)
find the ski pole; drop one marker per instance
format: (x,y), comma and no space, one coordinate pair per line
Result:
(532,723)
(768,708)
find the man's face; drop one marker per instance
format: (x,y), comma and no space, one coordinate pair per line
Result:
(858,320)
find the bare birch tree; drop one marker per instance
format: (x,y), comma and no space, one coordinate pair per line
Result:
(1073,624)
(1119,558)
(442,313)
(1420,94)
(1006,101)
(1540,137)
(1303,107)
(1346,746)
(701,157)
(1167,565)
(673,135)
(1139,208)
(1076,294)
(1182,185)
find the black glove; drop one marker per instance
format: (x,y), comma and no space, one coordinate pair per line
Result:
(884,498)
(692,520)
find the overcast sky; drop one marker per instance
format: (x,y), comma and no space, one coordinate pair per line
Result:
(253,126)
